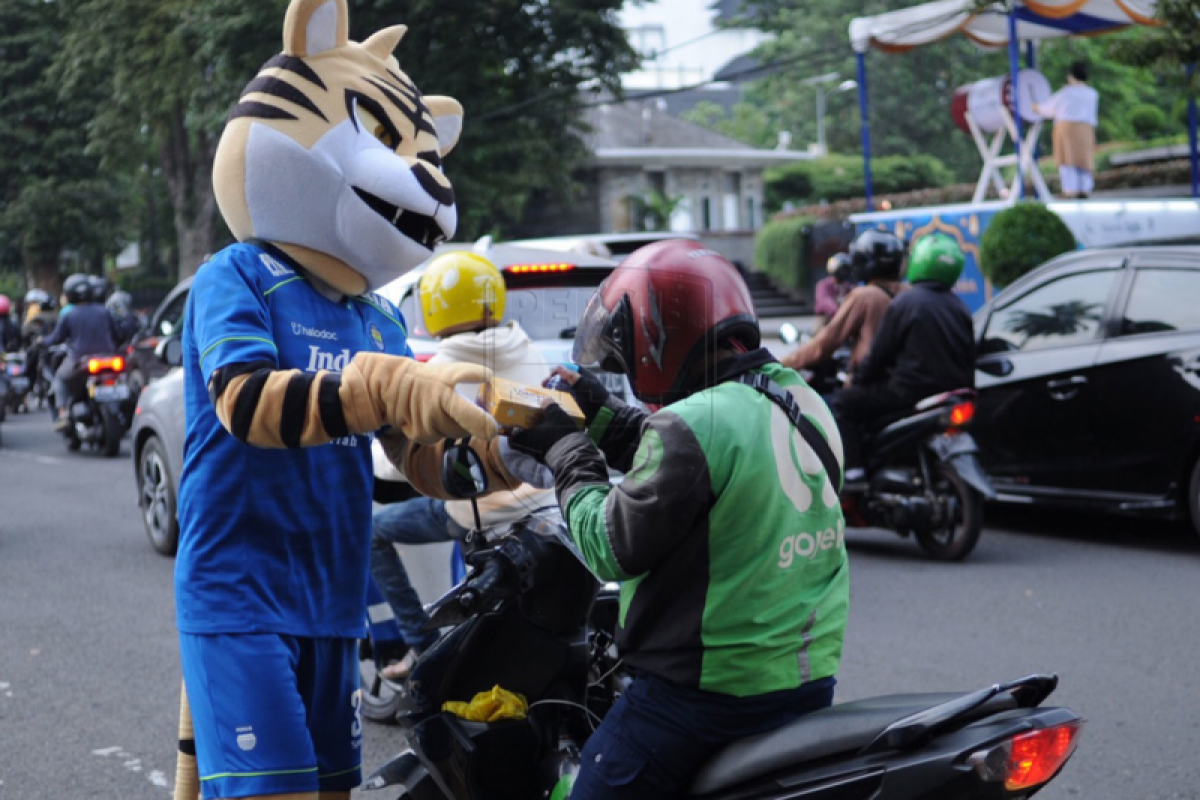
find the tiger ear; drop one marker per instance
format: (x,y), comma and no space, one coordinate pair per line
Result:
(381,43)
(447,118)
(314,26)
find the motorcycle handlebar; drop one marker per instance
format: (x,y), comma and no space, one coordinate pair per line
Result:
(480,589)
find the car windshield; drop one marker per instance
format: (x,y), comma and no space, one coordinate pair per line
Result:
(544,312)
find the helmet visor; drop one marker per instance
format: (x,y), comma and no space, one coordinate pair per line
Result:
(591,345)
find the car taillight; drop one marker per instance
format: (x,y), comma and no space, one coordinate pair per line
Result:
(1028,759)
(115,363)
(961,414)
(522,269)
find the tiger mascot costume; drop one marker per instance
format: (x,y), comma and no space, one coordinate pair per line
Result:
(329,174)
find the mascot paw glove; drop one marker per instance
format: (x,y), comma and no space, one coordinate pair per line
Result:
(417,399)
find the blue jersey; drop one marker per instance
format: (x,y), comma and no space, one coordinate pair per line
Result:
(273,541)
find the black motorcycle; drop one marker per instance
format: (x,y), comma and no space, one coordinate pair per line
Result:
(98,414)
(923,477)
(532,619)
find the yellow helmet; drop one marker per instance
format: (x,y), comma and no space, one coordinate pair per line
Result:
(460,291)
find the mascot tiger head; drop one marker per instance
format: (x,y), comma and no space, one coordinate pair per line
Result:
(334,155)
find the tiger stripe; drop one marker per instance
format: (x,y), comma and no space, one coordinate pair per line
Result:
(296,65)
(269,407)
(277,87)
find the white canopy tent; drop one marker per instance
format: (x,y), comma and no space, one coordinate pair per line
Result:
(998,25)
(897,31)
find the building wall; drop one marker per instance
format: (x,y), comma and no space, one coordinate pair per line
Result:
(714,199)
(603,206)
(733,198)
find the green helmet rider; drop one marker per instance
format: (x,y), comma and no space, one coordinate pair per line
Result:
(936,257)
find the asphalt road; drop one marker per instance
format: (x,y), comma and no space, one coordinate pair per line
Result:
(89,671)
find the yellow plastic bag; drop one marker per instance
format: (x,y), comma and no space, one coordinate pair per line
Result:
(493,706)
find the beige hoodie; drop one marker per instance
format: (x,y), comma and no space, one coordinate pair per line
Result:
(510,353)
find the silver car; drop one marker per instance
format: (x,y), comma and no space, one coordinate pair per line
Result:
(547,292)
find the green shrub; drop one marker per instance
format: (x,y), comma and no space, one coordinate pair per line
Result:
(779,251)
(12,284)
(839,177)
(1020,238)
(1147,121)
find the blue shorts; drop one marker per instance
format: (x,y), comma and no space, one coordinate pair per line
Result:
(274,714)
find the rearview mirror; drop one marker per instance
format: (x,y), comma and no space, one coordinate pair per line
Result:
(788,333)
(170,351)
(463,474)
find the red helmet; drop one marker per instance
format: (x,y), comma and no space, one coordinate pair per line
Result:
(5,306)
(659,315)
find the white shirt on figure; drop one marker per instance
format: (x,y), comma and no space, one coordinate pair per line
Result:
(1076,102)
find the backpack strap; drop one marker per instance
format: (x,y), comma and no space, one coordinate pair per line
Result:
(787,402)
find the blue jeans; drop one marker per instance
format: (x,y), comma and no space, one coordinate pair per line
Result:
(658,734)
(418,521)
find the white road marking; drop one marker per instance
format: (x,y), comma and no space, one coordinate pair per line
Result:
(49,461)
(155,776)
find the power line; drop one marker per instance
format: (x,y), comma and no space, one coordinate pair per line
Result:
(826,59)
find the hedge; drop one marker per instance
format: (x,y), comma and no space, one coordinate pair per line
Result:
(779,252)
(841,177)
(1020,238)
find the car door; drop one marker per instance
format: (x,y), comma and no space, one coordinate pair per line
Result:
(1147,379)
(1036,354)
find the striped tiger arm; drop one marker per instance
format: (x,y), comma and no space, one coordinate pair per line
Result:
(269,407)
(265,406)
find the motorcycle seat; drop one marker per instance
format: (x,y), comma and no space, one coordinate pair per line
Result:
(841,728)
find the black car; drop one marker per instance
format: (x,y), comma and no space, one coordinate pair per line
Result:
(1089,383)
(144,364)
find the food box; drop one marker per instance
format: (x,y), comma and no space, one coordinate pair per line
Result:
(517,405)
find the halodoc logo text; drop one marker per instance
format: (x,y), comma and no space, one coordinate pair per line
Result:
(320,360)
(312,333)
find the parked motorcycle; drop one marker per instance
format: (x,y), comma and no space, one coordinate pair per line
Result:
(532,619)
(97,414)
(19,385)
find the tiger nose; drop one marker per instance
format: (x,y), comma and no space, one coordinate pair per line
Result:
(435,184)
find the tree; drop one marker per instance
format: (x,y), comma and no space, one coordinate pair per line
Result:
(910,93)
(52,195)
(746,122)
(173,68)
(1168,48)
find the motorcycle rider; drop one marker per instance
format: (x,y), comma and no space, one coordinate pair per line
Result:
(120,305)
(925,345)
(876,258)
(41,314)
(831,290)
(462,303)
(734,575)
(87,330)
(10,332)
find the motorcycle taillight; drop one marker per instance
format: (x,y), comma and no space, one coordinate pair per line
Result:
(1028,759)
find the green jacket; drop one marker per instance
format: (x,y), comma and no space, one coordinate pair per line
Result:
(726,535)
